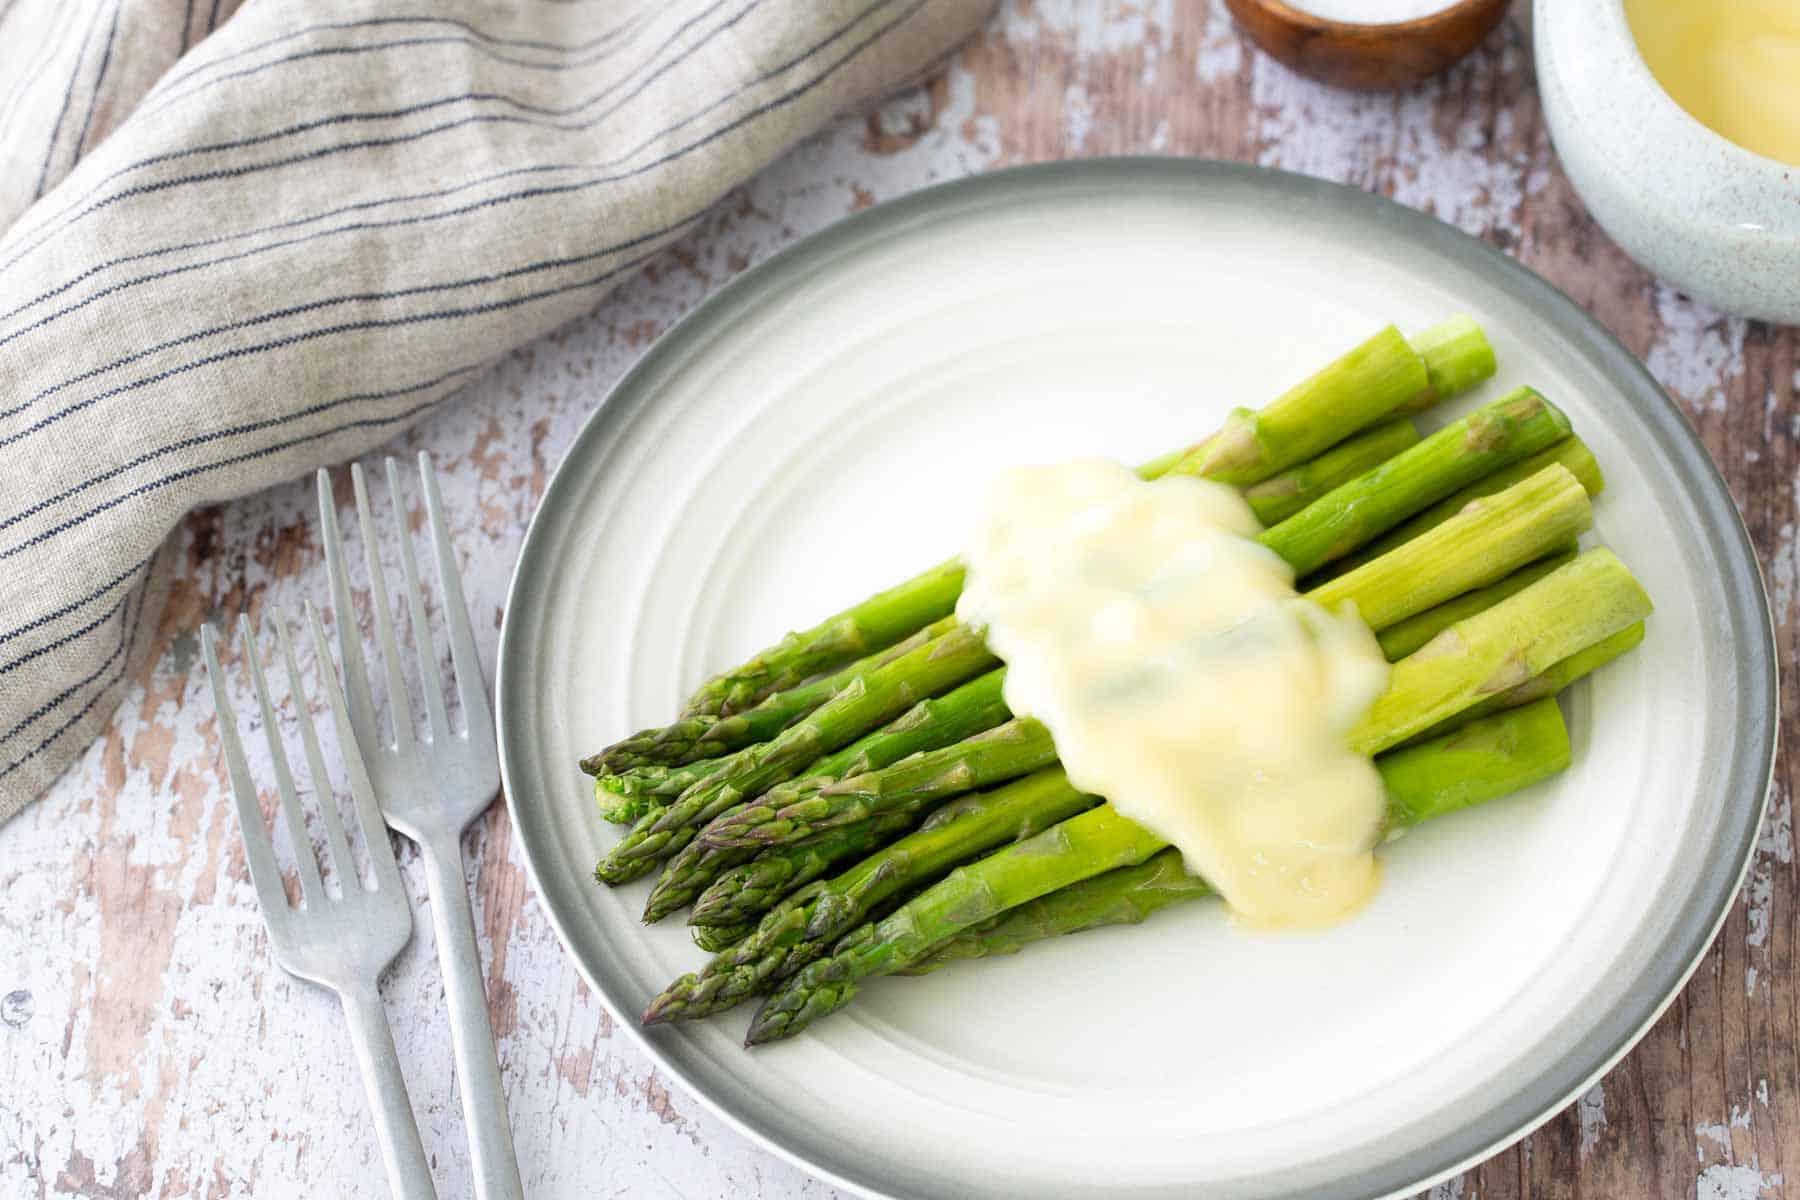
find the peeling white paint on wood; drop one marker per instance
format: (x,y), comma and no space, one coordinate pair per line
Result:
(149,1048)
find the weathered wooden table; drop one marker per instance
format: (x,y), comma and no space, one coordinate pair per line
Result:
(149,1048)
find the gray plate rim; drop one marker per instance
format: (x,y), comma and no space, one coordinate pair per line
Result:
(1750,770)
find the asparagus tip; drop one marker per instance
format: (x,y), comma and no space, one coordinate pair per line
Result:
(661,902)
(668,1004)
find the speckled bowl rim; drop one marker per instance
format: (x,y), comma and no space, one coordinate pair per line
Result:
(1744,783)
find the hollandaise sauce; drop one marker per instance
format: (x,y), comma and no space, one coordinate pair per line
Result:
(1185,680)
(1733,64)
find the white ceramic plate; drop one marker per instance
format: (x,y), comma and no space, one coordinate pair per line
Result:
(817,430)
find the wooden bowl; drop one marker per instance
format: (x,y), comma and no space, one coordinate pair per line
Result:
(1375,57)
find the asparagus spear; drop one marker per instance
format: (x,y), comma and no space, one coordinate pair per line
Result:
(1403,637)
(689,869)
(933,722)
(1124,896)
(874,698)
(1486,758)
(1281,496)
(1569,610)
(699,864)
(1547,683)
(1371,382)
(691,739)
(1571,453)
(1457,357)
(881,620)
(701,737)
(1483,761)
(1462,452)
(753,887)
(1565,612)
(1486,540)
(1018,747)
(804,926)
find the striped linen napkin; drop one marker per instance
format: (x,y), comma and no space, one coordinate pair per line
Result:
(242,244)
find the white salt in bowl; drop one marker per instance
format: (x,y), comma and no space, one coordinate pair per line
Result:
(1720,222)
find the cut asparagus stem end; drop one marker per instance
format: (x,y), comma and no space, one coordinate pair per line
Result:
(1350,516)
(1571,453)
(1549,683)
(1478,547)
(1403,637)
(1481,761)
(1568,610)
(1457,356)
(1371,382)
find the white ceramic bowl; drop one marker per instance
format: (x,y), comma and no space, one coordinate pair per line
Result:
(1718,221)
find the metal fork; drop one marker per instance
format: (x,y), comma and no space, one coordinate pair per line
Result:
(343,943)
(432,785)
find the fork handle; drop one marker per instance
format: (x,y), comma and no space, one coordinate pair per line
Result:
(471,1035)
(401,1152)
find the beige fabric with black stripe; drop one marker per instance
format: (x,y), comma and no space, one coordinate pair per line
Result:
(241,244)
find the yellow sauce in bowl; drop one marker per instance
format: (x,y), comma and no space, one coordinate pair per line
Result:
(1734,65)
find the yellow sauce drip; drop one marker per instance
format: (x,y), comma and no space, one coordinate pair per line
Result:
(1733,64)
(1185,680)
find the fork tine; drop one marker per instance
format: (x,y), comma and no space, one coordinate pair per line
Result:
(372,828)
(356,675)
(384,620)
(312,891)
(344,865)
(423,646)
(471,688)
(265,876)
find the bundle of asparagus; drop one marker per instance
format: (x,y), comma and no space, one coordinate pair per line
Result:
(869,738)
